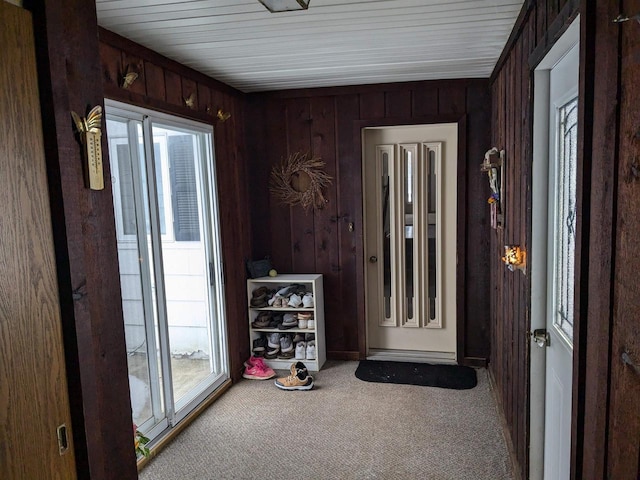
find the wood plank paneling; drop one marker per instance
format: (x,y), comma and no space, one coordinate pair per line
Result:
(398,104)
(624,409)
(298,140)
(173,86)
(350,334)
(337,252)
(599,60)
(155,84)
(325,223)
(425,102)
(372,105)
(606,209)
(451,100)
(70,79)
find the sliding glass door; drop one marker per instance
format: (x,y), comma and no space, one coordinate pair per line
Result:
(167,229)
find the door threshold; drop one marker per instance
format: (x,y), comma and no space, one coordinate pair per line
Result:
(448,358)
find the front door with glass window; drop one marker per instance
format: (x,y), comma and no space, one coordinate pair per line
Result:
(170,265)
(563,135)
(410,215)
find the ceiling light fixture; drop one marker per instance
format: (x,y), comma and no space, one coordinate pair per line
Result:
(275,6)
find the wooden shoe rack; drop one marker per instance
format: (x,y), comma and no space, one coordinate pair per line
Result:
(313,284)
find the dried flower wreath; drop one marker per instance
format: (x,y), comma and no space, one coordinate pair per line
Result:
(299,180)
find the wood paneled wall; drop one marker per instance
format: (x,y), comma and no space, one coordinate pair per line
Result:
(328,122)
(83,229)
(538,25)
(163,85)
(606,391)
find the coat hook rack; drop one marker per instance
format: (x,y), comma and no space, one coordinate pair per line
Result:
(223,116)
(128,77)
(623,18)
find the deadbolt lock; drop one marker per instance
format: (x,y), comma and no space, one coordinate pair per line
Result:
(541,337)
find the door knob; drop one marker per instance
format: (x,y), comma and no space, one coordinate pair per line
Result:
(373,259)
(541,337)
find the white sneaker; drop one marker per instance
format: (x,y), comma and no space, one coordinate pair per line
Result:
(307,300)
(311,351)
(294,300)
(311,324)
(301,349)
(302,323)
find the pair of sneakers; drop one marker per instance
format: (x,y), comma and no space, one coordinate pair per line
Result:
(256,369)
(306,350)
(279,346)
(305,320)
(299,379)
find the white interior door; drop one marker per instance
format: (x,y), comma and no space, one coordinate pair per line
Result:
(410,225)
(554,241)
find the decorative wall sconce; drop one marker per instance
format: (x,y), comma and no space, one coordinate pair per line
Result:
(128,78)
(275,6)
(494,166)
(190,101)
(515,258)
(91,137)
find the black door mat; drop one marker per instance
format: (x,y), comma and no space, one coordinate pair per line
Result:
(424,374)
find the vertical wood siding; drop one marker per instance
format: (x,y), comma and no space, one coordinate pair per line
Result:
(511,291)
(327,122)
(83,229)
(164,85)
(624,408)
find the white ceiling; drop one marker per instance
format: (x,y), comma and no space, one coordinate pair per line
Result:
(333,43)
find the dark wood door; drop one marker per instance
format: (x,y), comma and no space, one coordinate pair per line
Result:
(33,386)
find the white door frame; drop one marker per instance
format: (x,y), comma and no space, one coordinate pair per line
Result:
(539,243)
(414,355)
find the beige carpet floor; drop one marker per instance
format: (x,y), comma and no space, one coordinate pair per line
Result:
(342,429)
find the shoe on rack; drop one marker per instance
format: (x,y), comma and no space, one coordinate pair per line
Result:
(258,302)
(274,340)
(311,351)
(259,371)
(259,292)
(290,320)
(301,348)
(302,323)
(259,345)
(262,320)
(311,324)
(295,301)
(286,345)
(300,380)
(307,300)
(271,353)
(309,336)
(276,321)
(298,338)
(286,355)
